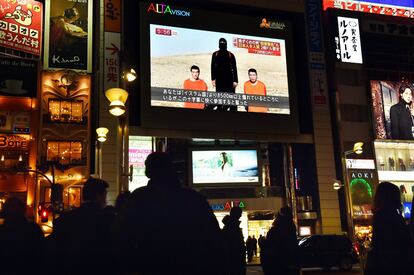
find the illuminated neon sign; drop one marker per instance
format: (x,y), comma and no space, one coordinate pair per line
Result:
(227,205)
(400,8)
(166,9)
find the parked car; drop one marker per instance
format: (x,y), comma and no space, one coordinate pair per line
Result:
(327,251)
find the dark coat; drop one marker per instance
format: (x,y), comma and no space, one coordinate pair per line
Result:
(82,241)
(21,246)
(391,245)
(280,250)
(224,70)
(234,248)
(170,230)
(401,122)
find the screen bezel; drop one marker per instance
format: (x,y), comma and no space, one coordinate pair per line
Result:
(153,117)
(223,184)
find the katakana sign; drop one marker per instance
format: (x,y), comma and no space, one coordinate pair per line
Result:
(21,25)
(349,40)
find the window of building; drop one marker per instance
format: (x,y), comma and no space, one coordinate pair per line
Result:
(65,110)
(65,152)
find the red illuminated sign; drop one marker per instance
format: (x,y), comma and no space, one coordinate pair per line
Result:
(14,142)
(21,25)
(370,7)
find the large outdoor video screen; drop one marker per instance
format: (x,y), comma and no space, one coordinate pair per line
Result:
(225,166)
(206,69)
(393,110)
(189,70)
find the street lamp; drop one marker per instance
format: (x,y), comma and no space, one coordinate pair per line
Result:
(117,98)
(356,150)
(101,138)
(130,75)
(102,132)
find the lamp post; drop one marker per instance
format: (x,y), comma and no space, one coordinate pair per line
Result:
(101,138)
(117,98)
(356,150)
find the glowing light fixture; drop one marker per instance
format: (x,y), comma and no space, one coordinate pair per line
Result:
(2,158)
(130,75)
(117,98)
(358,148)
(102,131)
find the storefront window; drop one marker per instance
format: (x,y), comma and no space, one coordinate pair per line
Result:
(65,110)
(65,152)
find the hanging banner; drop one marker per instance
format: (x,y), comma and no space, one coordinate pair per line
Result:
(68,35)
(316,55)
(21,25)
(113,15)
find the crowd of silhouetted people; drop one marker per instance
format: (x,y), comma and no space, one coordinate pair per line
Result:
(165,228)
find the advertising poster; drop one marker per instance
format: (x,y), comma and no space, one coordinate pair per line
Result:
(139,149)
(68,35)
(21,25)
(249,73)
(228,166)
(393,110)
(362,188)
(18,77)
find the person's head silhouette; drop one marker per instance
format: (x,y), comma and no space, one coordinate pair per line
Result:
(159,167)
(222,44)
(94,190)
(235,212)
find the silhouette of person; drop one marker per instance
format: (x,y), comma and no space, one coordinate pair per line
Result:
(86,233)
(391,241)
(254,245)
(280,249)
(224,73)
(233,241)
(260,242)
(21,240)
(169,229)
(250,248)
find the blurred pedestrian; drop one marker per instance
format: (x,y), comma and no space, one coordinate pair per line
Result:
(169,229)
(260,242)
(83,239)
(254,245)
(233,241)
(391,242)
(280,249)
(21,241)
(250,249)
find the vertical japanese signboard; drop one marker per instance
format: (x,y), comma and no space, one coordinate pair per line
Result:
(349,40)
(316,54)
(21,25)
(68,35)
(112,43)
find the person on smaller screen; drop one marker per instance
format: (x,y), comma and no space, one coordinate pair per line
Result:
(401,115)
(225,166)
(255,87)
(194,83)
(223,73)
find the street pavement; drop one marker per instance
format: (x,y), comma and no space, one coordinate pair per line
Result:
(257,270)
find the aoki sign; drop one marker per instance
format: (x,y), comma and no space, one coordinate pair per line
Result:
(227,205)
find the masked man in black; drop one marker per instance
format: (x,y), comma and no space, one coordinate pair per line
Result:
(223,73)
